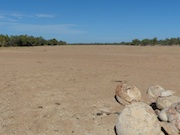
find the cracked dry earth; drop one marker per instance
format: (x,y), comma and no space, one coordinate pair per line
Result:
(61,90)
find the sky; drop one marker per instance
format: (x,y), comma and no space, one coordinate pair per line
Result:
(90,21)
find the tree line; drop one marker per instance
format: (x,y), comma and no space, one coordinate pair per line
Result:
(154,41)
(143,42)
(25,40)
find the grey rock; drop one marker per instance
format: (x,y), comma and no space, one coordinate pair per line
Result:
(156,91)
(163,102)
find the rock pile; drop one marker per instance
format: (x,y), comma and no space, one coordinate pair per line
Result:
(138,118)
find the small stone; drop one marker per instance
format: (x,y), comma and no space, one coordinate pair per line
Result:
(99,114)
(166,93)
(57,103)
(105,111)
(40,107)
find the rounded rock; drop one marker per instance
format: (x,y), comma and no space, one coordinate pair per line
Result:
(138,119)
(163,102)
(126,94)
(156,91)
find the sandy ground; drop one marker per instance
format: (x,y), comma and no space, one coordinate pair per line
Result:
(61,90)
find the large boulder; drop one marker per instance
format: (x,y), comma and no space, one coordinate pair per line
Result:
(126,94)
(138,119)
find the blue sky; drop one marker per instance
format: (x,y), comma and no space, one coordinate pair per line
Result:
(87,21)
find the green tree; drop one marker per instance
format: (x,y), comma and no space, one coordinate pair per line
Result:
(136,41)
(4,39)
(145,42)
(154,41)
(52,42)
(62,42)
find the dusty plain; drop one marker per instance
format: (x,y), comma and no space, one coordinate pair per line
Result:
(60,90)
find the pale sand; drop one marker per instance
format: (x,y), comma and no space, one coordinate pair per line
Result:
(59,90)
